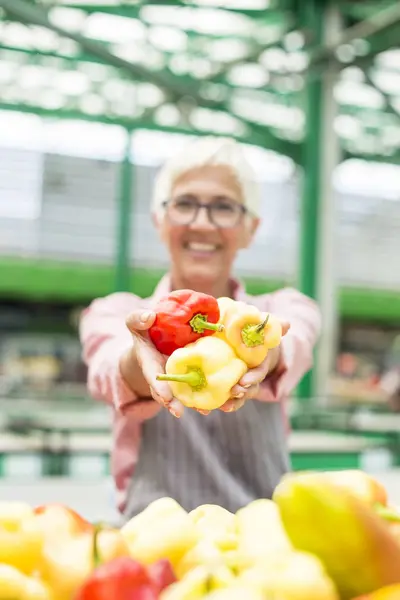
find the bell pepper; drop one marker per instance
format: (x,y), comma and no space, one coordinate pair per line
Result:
(260,531)
(216,524)
(202,374)
(351,540)
(163,530)
(391,592)
(250,332)
(239,592)
(199,582)
(292,576)
(365,487)
(69,559)
(57,520)
(122,579)
(21,540)
(162,574)
(14,585)
(183,317)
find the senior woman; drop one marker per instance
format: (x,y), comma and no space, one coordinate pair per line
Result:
(206,208)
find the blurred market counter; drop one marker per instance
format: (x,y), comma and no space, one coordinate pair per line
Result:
(85,454)
(73,439)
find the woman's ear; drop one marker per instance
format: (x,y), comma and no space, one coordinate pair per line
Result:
(159,224)
(249,232)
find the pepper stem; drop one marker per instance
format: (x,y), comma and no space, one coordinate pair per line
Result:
(199,324)
(194,377)
(253,335)
(97,528)
(387,514)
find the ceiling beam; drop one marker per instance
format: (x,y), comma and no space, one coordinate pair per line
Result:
(380,31)
(365,9)
(186,79)
(148,124)
(389,108)
(175,90)
(130,124)
(126,9)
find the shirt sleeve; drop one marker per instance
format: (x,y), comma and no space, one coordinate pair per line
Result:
(104,338)
(297,345)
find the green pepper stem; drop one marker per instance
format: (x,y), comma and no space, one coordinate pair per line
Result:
(387,513)
(261,326)
(98,527)
(253,335)
(194,377)
(199,324)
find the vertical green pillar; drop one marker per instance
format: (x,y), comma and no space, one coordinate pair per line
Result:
(317,276)
(122,266)
(309,220)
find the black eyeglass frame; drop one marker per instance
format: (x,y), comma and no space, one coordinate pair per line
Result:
(208,207)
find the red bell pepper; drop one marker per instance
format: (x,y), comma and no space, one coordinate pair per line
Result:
(183,317)
(124,578)
(161,574)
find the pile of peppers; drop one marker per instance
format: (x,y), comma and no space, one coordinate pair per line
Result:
(210,344)
(323,536)
(52,553)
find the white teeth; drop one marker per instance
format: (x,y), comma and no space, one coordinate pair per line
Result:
(199,247)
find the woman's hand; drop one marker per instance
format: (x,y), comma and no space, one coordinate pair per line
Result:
(151,363)
(248,386)
(145,356)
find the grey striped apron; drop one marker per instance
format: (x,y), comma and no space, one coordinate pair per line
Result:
(228,459)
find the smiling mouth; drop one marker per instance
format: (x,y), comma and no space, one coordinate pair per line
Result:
(202,247)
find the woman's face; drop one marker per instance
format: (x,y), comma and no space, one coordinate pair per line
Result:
(203,244)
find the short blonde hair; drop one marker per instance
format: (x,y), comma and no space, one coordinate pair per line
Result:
(209,151)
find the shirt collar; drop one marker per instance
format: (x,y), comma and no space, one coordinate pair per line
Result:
(163,288)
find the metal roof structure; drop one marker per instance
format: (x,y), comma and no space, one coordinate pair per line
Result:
(230,67)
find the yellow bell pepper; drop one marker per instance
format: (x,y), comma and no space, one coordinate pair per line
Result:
(14,585)
(354,544)
(199,582)
(366,488)
(391,592)
(238,592)
(163,530)
(215,524)
(21,540)
(260,531)
(250,332)
(291,575)
(201,375)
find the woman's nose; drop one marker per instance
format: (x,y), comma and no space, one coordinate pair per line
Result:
(202,220)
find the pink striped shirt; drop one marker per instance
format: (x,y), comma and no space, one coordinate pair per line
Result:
(105,337)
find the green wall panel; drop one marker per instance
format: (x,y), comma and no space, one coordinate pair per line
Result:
(56,280)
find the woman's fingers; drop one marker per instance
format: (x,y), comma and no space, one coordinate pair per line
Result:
(232,405)
(140,320)
(285,327)
(238,392)
(152,364)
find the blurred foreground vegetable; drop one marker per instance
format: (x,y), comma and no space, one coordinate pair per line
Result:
(353,543)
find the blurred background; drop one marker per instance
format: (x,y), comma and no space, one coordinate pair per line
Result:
(94,96)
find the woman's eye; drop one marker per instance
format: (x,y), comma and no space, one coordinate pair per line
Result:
(224,207)
(184,205)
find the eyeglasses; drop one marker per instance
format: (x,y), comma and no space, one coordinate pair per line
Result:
(222,213)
